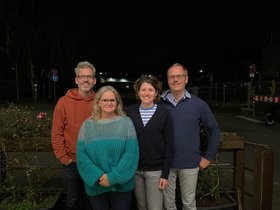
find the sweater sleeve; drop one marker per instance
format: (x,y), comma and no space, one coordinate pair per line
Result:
(127,165)
(209,122)
(89,172)
(58,126)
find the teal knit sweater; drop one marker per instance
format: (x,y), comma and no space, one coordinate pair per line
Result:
(111,147)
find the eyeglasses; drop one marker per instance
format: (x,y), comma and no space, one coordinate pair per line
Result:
(85,76)
(179,76)
(107,101)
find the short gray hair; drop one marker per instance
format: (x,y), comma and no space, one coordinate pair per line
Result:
(83,65)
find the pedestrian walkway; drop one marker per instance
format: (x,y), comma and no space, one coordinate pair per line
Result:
(250,119)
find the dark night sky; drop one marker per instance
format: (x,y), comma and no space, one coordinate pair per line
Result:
(215,35)
(220,36)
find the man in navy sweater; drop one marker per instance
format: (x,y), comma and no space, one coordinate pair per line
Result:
(188,112)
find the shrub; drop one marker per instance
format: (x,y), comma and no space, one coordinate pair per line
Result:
(20,129)
(208,183)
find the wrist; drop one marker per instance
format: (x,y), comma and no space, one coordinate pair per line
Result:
(69,162)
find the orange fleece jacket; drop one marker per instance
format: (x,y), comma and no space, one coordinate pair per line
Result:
(70,112)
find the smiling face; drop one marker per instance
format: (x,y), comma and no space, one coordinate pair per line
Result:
(85,81)
(147,94)
(108,104)
(177,79)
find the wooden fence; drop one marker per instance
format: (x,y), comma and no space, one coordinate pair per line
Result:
(260,166)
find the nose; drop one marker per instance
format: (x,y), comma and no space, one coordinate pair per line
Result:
(175,79)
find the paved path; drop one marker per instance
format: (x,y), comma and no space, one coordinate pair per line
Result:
(253,129)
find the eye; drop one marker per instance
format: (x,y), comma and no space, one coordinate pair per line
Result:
(85,76)
(107,101)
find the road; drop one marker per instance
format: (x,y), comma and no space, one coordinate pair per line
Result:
(253,129)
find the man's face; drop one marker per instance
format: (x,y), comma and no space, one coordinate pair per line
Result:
(177,79)
(85,80)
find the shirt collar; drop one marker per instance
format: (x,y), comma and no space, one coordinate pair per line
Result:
(167,95)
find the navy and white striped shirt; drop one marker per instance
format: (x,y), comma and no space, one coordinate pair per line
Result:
(147,113)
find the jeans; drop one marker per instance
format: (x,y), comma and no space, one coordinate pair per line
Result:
(111,201)
(187,180)
(73,185)
(147,192)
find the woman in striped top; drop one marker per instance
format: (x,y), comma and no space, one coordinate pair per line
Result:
(153,126)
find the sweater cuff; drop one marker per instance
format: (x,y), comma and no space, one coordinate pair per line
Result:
(111,180)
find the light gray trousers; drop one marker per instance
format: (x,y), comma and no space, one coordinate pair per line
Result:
(147,192)
(187,180)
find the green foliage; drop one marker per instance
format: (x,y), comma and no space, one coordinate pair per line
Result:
(17,122)
(208,182)
(19,126)
(11,204)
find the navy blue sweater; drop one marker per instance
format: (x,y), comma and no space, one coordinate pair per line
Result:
(187,116)
(154,139)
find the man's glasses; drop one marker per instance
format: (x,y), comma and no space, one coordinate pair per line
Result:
(107,101)
(179,76)
(85,76)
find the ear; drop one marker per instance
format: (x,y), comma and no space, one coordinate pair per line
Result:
(156,93)
(76,80)
(187,79)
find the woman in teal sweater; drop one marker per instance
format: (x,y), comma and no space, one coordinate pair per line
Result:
(107,153)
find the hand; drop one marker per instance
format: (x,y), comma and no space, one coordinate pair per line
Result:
(69,162)
(103,181)
(204,163)
(163,183)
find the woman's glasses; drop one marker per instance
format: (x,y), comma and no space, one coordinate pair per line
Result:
(107,101)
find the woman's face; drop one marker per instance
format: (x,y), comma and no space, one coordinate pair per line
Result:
(108,102)
(147,94)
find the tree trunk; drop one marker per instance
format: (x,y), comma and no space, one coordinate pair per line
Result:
(32,75)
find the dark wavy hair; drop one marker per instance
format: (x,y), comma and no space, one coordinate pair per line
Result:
(150,80)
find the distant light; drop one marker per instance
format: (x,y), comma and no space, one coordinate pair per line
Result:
(111,79)
(201,71)
(123,80)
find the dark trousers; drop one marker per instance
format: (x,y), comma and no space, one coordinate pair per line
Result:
(111,200)
(74,186)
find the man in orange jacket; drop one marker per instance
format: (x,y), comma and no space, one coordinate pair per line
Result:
(70,112)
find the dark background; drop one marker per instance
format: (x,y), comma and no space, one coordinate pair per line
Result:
(131,37)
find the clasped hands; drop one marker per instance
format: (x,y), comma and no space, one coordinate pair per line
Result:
(103,181)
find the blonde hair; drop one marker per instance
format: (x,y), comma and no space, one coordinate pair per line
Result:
(96,111)
(178,64)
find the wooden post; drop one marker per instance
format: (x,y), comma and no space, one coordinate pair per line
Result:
(263,179)
(238,175)
(232,142)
